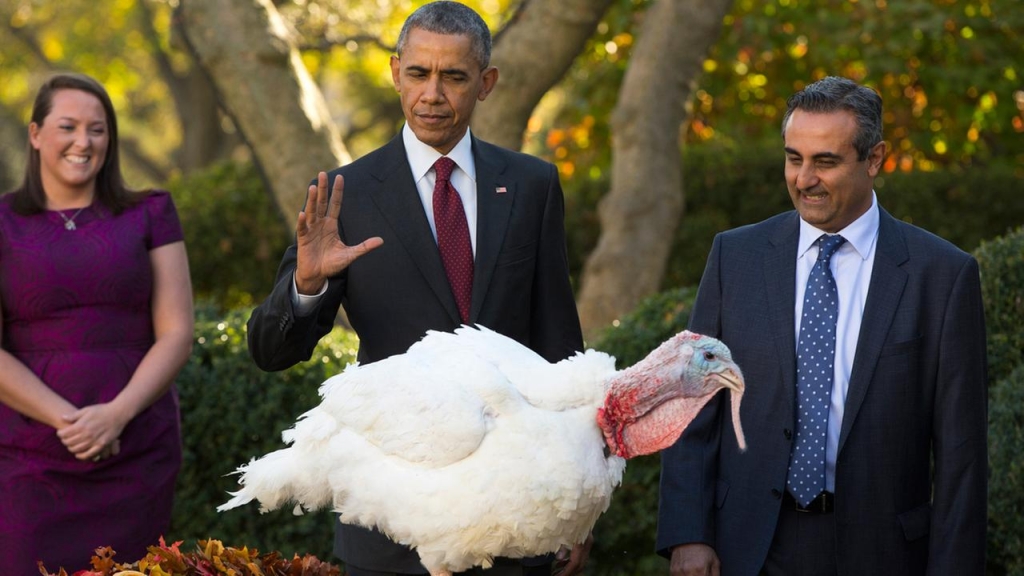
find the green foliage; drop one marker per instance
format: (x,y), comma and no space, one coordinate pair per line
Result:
(582,226)
(964,207)
(233,232)
(7,178)
(725,188)
(943,105)
(233,412)
(1006,496)
(654,321)
(624,536)
(1002,289)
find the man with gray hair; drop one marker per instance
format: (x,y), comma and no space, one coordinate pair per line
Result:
(862,340)
(437,229)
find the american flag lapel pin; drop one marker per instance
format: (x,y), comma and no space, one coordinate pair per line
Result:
(500,190)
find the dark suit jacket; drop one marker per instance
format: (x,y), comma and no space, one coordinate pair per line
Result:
(398,292)
(917,397)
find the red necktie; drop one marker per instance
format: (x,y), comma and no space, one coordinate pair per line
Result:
(453,236)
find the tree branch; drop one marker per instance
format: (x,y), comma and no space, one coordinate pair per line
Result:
(532,53)
(324,44)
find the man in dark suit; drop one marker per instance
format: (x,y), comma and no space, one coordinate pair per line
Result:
(879,466)
(402,264)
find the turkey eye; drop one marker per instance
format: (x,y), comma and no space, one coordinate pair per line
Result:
(709,356)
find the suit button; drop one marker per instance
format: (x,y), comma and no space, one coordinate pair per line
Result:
(787,433)
(776,493)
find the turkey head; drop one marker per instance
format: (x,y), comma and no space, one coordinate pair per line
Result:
(649,404)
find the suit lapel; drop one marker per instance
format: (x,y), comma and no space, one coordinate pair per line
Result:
(779,273)
(495,194)
(399,202)
(888,280)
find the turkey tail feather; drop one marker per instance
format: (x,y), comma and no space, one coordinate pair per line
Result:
(276,479)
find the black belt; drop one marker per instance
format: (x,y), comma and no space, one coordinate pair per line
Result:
(825,503)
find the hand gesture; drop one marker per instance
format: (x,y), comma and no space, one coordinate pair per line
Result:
(321,253)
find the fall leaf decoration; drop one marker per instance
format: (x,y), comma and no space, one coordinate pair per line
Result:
(211,558)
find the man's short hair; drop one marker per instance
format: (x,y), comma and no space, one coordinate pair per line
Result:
(832,94)
(450,18)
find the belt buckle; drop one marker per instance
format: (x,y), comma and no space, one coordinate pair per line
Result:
(818,505)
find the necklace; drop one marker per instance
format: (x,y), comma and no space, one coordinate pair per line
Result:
(69,223)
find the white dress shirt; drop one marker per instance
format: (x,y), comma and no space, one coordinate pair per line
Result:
(851,267)
(421,160)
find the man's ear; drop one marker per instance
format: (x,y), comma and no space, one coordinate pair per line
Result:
(875,158)
(490,78)
(396,70)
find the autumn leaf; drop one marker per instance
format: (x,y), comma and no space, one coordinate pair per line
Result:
(45,572)
(211,558)
(102,562)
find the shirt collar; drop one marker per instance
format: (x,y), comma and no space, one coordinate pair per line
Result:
(861,233)
(422,156)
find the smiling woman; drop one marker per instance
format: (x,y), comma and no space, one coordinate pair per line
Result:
(95,323)
(72,142)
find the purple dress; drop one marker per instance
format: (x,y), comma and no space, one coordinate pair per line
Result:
(76,311)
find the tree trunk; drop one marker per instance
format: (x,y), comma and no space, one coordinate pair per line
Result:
(532,54)
(641,212)
(250,54)
(203,138)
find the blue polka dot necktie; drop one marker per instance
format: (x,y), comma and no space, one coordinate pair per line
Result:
(453,236)
(814,369)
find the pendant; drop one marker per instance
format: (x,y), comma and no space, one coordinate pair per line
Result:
(70,225)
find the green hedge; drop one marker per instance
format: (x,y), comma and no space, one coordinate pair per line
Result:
(232,412)
(233,232)
(964,207)
(1002,285)
(1002,289)
(1006,483)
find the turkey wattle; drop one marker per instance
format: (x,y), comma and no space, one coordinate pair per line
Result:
(471,446)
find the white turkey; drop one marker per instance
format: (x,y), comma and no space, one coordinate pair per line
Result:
(471,446)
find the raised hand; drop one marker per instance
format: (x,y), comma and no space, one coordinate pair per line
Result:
(321,253)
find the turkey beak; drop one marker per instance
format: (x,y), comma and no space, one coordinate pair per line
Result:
(729,378)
